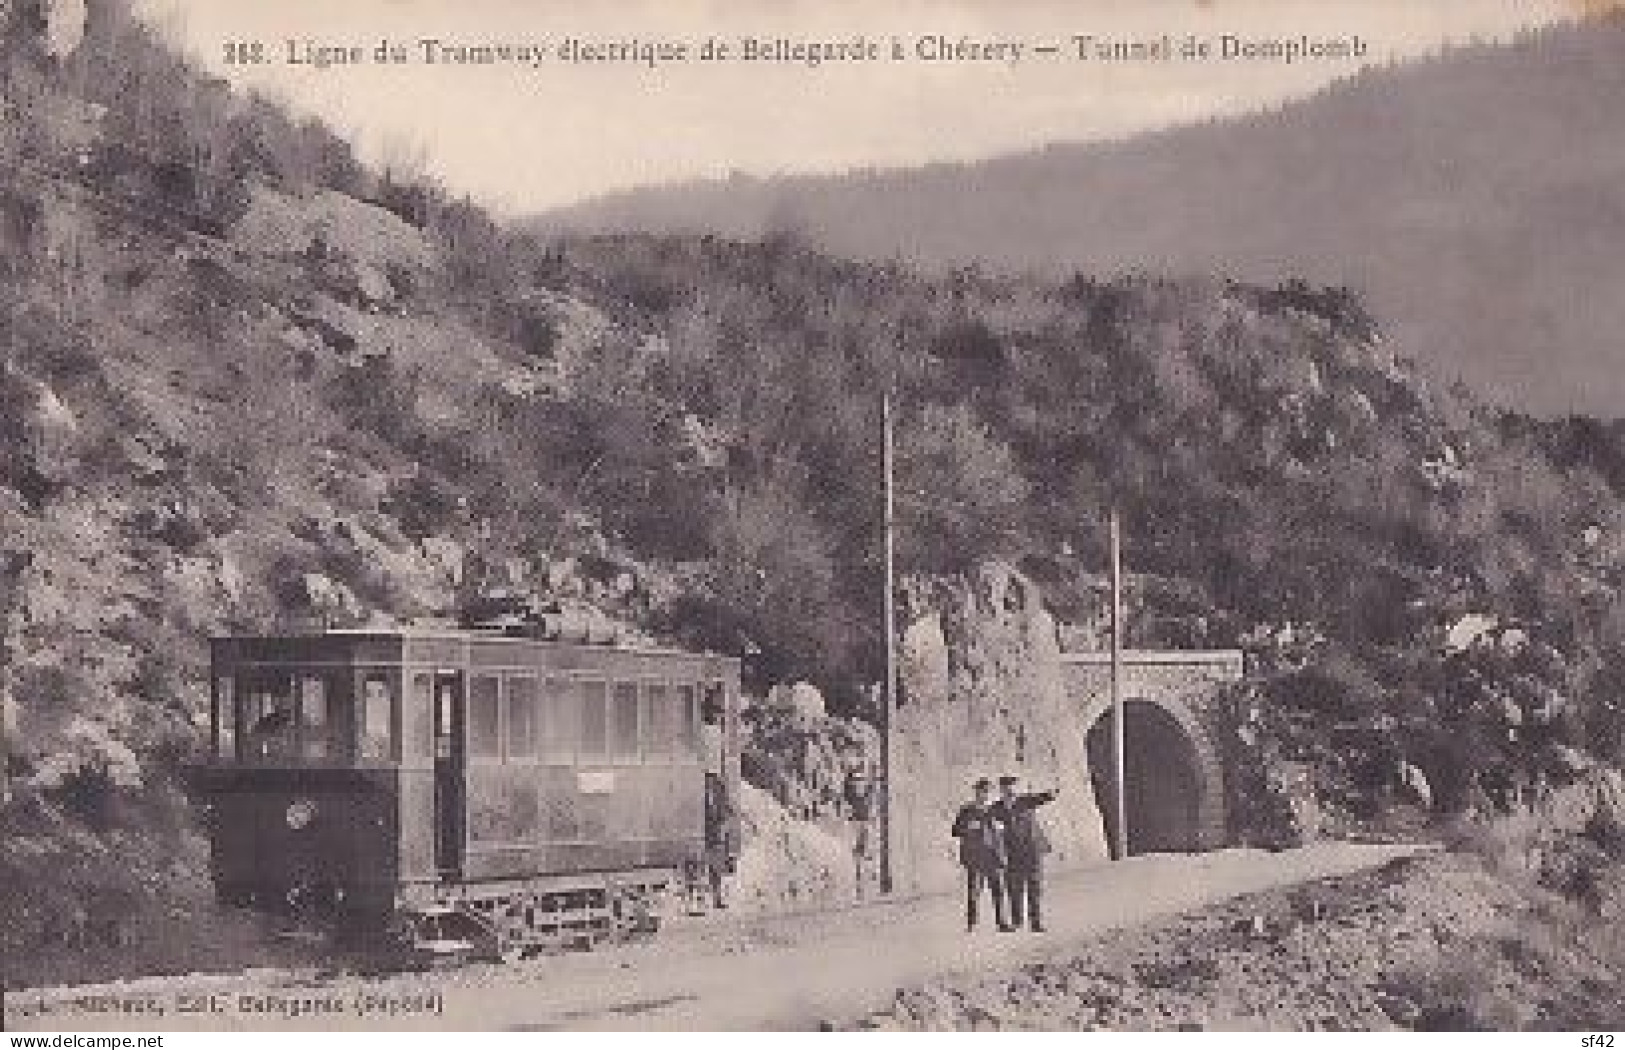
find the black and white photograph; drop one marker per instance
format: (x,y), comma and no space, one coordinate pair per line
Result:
(564,516)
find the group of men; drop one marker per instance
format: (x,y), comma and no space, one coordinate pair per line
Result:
(1001,848)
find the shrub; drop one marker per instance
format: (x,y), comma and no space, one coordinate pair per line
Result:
(89,793)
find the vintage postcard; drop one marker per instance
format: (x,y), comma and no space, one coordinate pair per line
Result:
(730,515)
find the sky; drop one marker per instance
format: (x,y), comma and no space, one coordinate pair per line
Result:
(525,138)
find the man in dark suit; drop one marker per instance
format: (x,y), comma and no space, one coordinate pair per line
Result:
(981,853)
(1024,848)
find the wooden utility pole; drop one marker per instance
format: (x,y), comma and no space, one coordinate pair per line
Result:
(889,699)
(12,567)
(1119,762)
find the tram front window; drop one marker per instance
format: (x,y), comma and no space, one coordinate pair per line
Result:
(315,722)
(270,729)
(288,718)
(225,718)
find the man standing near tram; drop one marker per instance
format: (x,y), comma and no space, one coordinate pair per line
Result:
(721,832)
(1024,847)
(981,854)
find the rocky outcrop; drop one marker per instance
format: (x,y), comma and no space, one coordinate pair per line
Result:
(64,26)
(805,759)
(40,433)
(785,862)
(56,27)
(331,224)
(984,694)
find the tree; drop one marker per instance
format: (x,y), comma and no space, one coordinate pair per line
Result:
(772,585)
(963,494)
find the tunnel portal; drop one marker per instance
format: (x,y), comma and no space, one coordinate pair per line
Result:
(1164,776)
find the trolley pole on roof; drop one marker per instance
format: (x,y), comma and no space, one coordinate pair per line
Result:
(1119,763)
(889,697)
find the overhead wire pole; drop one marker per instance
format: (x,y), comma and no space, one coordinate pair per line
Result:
(889,699)
(1119,763)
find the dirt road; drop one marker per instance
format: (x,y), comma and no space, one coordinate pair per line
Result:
(781,972)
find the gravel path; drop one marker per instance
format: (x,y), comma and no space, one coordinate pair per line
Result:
(793,971)
(1442,943)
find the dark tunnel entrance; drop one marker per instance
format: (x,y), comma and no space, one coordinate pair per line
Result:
(1164,792)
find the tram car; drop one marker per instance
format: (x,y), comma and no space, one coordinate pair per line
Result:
(487,788)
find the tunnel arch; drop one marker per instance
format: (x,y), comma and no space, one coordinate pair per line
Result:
(1174,796)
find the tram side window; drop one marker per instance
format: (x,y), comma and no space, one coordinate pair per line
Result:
(594,720)
(377,719)
(225,718)
(484,718)
(626,720)
(656,725)
(683,733)
(559,724)
(521,717)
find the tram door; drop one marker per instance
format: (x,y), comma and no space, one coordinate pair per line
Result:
(449,783)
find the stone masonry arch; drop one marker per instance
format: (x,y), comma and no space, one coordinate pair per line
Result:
(1175,790)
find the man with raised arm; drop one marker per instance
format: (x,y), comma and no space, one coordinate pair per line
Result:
(1024,846)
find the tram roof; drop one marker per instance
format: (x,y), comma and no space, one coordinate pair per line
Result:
(427,633)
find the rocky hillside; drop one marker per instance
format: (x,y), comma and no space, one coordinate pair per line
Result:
(245,381)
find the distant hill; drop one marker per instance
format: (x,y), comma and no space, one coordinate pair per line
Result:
(1477,198)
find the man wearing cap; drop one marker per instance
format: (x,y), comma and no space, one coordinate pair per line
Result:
(981,853)
(1024,847)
